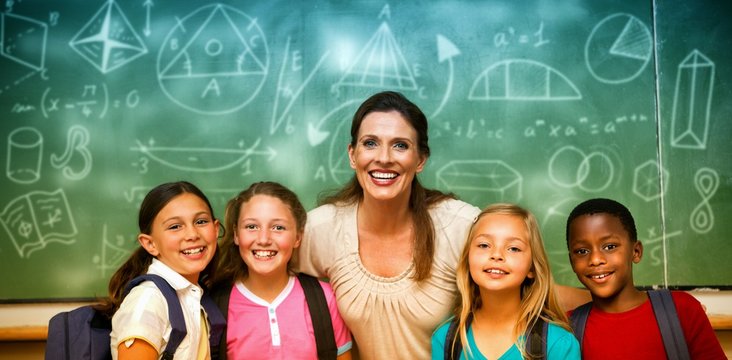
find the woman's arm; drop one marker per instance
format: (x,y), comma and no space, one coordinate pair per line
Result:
(571,297)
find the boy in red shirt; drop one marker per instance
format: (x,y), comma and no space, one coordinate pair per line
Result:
(603,245)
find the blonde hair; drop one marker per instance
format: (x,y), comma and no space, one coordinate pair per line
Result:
(538,299)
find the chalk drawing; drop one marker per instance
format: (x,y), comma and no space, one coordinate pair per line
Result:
(647,180)
(202,159)
(214,61)
(108,41)
(37,219)
(522,80)
(478,180)
(24,156)
(78,144)
(692,102)
(380,64)
(23,40)
(571,167)
(618,49)
(706,183)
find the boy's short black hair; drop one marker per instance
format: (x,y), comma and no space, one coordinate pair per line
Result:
(606,206)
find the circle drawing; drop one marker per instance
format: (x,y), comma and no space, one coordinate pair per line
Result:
(214,61)
(618,49)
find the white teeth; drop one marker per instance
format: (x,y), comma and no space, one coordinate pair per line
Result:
(495,271)
(380,175)
(264,253)
(601,276)
(193,251)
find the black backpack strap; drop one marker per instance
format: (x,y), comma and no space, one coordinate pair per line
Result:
(536,344)
(320,316)
(175,311)
(453,353)
(217,324)
(668,323)
(578,320)
(220,296)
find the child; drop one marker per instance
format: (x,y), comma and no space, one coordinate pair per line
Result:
(603,245)
(505,287)
(267,313)
(178,233)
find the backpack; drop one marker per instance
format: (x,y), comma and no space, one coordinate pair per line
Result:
(319,315)
(535,340)
(664,310)
(83,333)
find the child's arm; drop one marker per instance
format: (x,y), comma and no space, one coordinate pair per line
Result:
(140,349)
(700,338)
(345,356)
(572,297)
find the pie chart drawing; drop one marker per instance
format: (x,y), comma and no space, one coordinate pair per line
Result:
(618,49)
(214,61)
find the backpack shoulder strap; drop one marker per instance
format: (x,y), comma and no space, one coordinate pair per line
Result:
(536,340)
(453,353)
(450,352)
(578,320)
(668,323)
(175,311)
(320,317)
(220,296)
(216,321)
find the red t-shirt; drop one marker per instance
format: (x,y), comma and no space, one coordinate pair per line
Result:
(634,334)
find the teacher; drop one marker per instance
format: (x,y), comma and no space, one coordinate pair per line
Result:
(388,245)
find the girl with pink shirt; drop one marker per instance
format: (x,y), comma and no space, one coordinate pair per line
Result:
(265,304)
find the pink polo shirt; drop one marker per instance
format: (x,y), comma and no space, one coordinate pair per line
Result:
(282,329)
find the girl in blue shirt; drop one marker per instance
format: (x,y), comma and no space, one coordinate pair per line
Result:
(505,287)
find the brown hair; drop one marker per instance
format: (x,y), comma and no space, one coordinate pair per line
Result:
(231,267)
(421,199)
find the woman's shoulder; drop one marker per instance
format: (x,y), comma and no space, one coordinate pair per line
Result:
(453,209)
(441,331)
(328,213)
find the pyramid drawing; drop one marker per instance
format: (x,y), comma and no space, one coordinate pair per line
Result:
(206,55)
(380,64)
(108,41)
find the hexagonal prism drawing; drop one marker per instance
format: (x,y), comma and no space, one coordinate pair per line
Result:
(650,180)
(478,181)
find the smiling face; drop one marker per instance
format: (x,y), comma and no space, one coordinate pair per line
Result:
(183,236)
(602,256)
(386,156)
(266,234)
(500,255)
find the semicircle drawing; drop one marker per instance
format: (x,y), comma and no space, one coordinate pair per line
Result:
(523,80)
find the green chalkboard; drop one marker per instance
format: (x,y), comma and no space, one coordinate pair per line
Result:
(543,103)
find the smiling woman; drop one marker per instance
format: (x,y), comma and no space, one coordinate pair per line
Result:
(388,245)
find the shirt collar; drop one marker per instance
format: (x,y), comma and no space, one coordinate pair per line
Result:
(177,281)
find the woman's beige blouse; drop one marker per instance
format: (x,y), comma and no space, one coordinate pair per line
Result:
(390,318)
